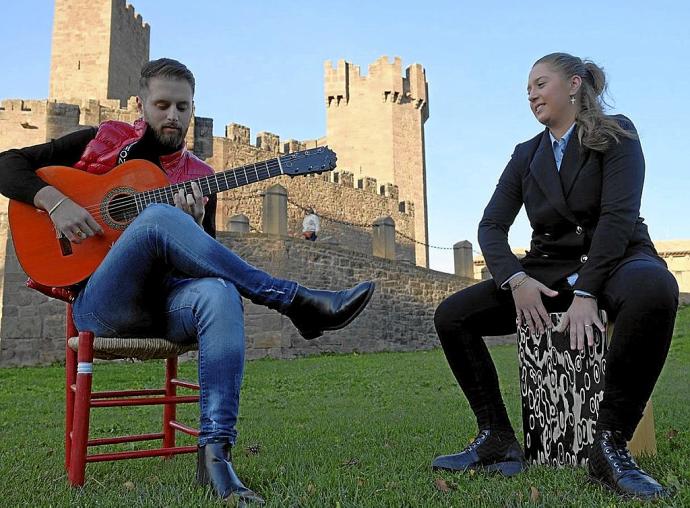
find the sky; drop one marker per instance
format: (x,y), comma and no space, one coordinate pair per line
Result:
(260,64)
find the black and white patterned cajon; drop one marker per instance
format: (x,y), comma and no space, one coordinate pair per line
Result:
(561,390)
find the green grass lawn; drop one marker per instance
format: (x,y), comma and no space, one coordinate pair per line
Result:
(349,430)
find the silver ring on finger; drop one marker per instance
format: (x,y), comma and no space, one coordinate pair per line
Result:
(81,234)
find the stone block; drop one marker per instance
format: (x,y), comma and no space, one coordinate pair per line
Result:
(367,184)
(255,354)
(391,191)
(54,325)
(275,211)
(384,238)
(463,259)
(18,328)
(268,141)
(237,133)
(10,310)
(238,224)
(347,179)
(268,339)
(292,145)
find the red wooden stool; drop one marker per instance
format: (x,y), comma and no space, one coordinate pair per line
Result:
(81,349)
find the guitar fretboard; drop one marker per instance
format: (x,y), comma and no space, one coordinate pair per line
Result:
(212,184)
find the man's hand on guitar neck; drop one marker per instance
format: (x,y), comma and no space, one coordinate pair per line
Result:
(193,203)
(70,219)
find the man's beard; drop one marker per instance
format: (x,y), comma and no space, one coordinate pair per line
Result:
(172,140)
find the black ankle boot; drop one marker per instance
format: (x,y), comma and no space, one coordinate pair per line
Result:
(214,467)
(611,465)
(491,451)
(314,311)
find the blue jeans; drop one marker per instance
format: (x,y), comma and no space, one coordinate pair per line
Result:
(166,277)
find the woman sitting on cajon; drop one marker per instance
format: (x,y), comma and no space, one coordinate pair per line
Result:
(581,183)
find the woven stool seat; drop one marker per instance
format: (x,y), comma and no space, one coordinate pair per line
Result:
(147,348)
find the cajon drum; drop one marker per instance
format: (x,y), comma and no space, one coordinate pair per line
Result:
(561,390)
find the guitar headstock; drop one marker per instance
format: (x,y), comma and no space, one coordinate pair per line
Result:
(305,162)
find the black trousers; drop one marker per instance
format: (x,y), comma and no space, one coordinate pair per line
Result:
(642,298)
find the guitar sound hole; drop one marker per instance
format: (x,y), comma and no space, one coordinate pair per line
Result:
(122,209)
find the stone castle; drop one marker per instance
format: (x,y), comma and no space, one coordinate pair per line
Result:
(375,123)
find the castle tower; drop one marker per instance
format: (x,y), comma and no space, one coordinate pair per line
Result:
(98,50)
(375,124)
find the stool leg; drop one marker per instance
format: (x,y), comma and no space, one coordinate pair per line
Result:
(70,379)
(643,441)
(82,408)
(169,410)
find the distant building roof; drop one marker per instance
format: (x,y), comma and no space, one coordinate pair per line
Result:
(665,248)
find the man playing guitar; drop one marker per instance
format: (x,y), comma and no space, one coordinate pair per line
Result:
(166,274)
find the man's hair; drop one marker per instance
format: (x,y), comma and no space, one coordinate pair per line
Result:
(164,68)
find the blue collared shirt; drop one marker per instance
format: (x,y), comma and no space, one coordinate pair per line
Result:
(559,145)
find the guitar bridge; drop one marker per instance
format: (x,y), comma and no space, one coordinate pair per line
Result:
(65,245)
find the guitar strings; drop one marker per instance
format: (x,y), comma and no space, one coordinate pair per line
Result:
(132,202)
(166,193)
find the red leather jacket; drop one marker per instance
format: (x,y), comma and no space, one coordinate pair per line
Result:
(103,153)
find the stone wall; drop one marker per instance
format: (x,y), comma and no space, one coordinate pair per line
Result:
(330,200)
(399,317)
(334,195)
(30,122)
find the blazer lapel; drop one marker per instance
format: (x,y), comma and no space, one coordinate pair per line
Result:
(543,168)
(574,159)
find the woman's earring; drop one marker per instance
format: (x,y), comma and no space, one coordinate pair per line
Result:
(572,99)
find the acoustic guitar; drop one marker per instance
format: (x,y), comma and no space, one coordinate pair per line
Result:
(114,199)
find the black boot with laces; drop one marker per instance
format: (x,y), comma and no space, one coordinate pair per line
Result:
(611,465)
(491,451)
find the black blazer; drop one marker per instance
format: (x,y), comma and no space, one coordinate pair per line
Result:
(585,218)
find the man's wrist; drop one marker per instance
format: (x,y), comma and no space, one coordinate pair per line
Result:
(47,197)
(518,281)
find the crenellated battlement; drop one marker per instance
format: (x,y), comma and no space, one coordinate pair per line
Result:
(386,77)
(38,106)
(266,141)
(124,7)
(29,122)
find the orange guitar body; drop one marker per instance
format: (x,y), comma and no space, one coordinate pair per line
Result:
(108,197)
